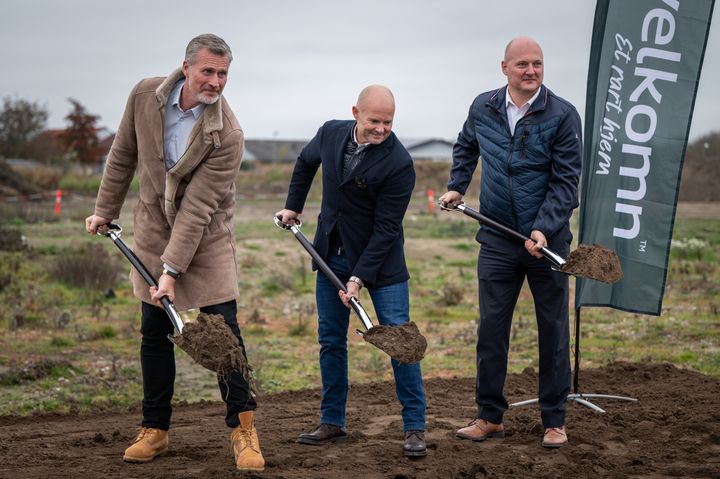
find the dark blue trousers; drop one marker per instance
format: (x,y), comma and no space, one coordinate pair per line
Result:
(157,358)
(503,265)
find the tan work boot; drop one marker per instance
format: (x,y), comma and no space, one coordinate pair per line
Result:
(245,444)
(148,444)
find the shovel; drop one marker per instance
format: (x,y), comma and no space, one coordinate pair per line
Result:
(606,267)
(403,343)
(113,233)
(208,340)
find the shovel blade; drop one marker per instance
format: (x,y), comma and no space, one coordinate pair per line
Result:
(403,343)
(594,262)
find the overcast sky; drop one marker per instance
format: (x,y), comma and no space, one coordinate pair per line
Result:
(299,63)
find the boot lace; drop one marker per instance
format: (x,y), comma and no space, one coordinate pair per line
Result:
(244,437)
(144,431)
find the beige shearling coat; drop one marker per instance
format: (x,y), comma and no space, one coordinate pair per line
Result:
(184,216)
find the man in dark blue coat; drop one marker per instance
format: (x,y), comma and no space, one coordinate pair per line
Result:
(368,179)
(530,143)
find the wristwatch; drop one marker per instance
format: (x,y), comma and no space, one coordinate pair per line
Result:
(172,274)
(357,280)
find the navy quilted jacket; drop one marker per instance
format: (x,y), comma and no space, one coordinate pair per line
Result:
(530,179)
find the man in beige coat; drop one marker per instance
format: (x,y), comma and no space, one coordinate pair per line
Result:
(184,141)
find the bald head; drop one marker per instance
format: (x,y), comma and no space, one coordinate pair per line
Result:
(521,44)
(375,94)
(374,113)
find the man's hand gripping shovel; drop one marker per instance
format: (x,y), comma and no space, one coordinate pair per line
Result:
(403,343)
(590,261)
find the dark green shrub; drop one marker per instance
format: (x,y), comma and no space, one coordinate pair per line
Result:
(11,238)
(90,267)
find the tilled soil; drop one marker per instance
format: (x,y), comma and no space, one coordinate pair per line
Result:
(672,431)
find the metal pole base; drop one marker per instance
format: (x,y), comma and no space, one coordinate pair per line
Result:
(581,399)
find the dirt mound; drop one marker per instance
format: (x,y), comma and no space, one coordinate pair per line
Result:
(672,431)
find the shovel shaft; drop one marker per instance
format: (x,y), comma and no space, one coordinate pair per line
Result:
(137,264)
(354,303)
(557,260)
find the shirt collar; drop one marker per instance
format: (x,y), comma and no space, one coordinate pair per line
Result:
(354,138)
(174,100)
(508,100)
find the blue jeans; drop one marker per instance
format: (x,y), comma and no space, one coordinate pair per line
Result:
(392,305)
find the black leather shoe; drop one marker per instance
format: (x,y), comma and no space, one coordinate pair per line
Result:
(323,434)
(414,444)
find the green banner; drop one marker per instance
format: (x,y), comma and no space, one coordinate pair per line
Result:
(645,63)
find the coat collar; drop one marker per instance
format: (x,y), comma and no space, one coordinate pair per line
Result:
(373,155)
(212,114)
(497,99)
(208,128)
(342,140)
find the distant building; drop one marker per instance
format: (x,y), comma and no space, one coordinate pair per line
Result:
(47,145)
(284,151)
(273,151)
(280,151)
(429,149)
(20,164)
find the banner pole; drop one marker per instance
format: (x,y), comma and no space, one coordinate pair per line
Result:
(576,368)
(576,395)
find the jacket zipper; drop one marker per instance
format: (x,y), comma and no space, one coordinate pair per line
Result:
(509,171)
(510,175)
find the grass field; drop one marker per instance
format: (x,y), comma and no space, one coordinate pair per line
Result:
(65,345)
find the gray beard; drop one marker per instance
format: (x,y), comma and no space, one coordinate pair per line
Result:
(206,100)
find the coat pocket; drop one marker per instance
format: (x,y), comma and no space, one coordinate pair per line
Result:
(144,212)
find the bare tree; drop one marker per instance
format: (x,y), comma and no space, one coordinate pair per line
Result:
(81,137)
(20,120)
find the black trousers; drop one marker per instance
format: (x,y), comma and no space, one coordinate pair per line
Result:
(157,359)
(503,265)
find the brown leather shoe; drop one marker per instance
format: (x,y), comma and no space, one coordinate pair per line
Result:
(555,437)
(414,444)
(323,434)
(246,445)
(148,444)
(480,429)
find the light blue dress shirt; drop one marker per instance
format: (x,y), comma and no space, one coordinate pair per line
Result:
(178,125)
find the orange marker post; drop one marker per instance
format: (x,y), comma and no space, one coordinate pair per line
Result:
(58,202)
(431,201)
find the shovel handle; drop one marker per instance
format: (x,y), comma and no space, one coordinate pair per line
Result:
(320,262)
(556,260)
(114,234)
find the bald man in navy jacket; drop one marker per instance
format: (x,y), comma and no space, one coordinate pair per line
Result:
(368,179)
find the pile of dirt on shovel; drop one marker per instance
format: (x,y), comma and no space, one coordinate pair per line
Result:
(594,262)
(404,342)
(212,344)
